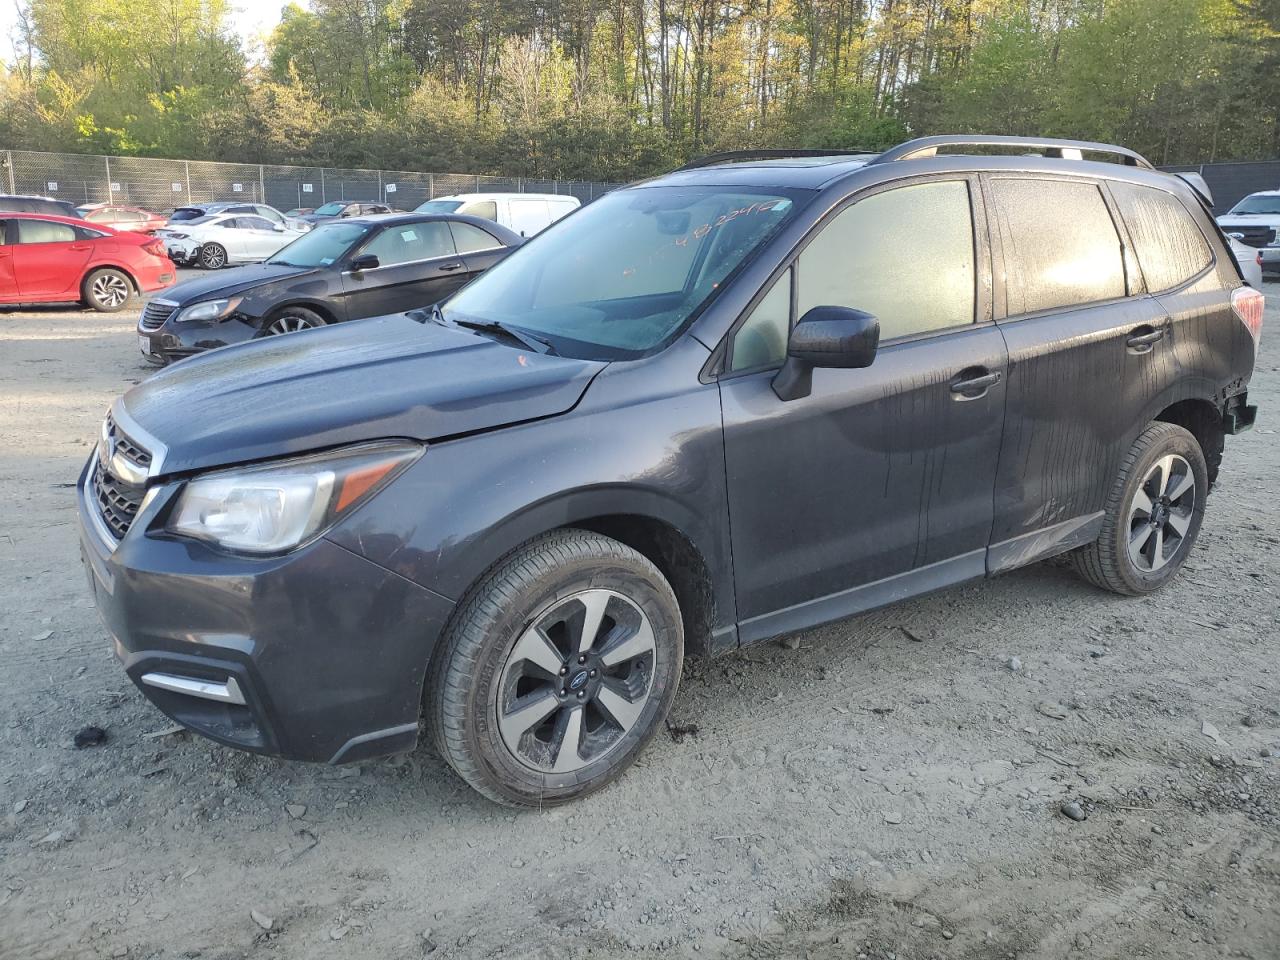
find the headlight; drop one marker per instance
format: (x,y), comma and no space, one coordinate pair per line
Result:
(208,310)
(175,236)
(275,508)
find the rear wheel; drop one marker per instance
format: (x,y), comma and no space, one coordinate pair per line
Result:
(1153,514)
(291,320)
(557,670)
(213,256)
(107,290)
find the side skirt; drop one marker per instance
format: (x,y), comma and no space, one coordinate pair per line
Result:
(879,593)
(1041,544)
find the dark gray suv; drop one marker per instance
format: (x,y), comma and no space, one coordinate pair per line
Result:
(755,395)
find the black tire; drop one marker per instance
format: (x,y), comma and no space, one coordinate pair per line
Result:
(212,256)
(470,677)
(107,290)
(1109,562)
(291,320)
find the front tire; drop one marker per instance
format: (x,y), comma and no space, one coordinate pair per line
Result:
(107,290)
(558,669)
(212,256)
(1153,514)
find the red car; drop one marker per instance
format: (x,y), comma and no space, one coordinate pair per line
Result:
(124,219)
(48,259)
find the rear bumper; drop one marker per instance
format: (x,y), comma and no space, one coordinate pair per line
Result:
(319,655)
(157,277)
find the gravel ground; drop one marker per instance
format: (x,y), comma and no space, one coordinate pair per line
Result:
(891,787)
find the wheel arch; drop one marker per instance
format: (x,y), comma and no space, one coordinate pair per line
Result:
(1202,419)
(314,306)
(110,265)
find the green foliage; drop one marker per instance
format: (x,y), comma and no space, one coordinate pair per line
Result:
(625,88)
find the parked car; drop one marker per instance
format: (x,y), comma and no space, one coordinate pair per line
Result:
(219,239)
(346,270)
(122,218)
(1250,260)
(193,212)
(48,259)
(340,209)
(707,410)
(525,213)
(299,211)
(1255,222)
(26,204)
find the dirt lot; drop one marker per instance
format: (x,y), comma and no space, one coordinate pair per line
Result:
(891,788)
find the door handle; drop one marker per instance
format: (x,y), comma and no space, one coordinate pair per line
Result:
(1142,339)
(450,267)
(972,384)
(78,246)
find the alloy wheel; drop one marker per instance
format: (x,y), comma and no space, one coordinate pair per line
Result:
(110,290)
(288,324)
(576,681)
(1160,513)
(213,257)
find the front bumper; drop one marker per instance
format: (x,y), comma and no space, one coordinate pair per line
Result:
(319,655)
(172,340)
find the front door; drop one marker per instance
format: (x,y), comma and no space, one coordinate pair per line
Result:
(418,265)
(879,482)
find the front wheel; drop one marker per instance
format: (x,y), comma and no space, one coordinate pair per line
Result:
(106,290)
(213,256)
(1153,514)
(557,670)
(291,320)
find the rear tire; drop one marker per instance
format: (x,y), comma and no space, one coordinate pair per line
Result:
(1153,514)
(521,706)
(106,290)
(212,256)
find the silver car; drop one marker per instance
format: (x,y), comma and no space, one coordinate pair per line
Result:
(1250,260)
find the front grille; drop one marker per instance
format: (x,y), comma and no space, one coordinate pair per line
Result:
(132,452)
(1250,234)
(155,313)
(117,502)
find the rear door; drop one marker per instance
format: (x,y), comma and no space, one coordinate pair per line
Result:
(49,259)
(418,265)
(879,482)
(1087,348)
(528,216)
(261,238)
(478,248)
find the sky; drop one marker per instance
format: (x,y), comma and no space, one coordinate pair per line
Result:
(251,19)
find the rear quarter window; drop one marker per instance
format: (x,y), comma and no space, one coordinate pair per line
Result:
(1061,248)
(1170,247)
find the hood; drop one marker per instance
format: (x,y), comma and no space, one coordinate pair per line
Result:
(315,218)
(225,283)
(362,380)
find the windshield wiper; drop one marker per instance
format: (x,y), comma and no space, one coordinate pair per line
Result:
(530,340)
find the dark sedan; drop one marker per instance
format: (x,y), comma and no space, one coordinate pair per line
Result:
(359,267)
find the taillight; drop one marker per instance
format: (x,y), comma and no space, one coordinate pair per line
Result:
(1247,304)
(155,248)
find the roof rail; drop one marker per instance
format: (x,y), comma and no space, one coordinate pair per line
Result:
(732,156)
(1061,149)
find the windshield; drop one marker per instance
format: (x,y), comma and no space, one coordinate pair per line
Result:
(331,209)
(1258,204)
(438,206)
(625,274)
(322,246)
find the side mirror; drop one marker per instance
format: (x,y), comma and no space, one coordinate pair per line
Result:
(834,337)
(366,261)
(278,228)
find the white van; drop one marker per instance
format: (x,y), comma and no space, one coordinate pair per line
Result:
(525,213)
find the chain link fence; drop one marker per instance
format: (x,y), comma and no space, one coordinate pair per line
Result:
(161,185)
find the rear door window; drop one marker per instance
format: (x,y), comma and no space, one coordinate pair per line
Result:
(1061,248)
(469,239)
(905,255)
(1170,247)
